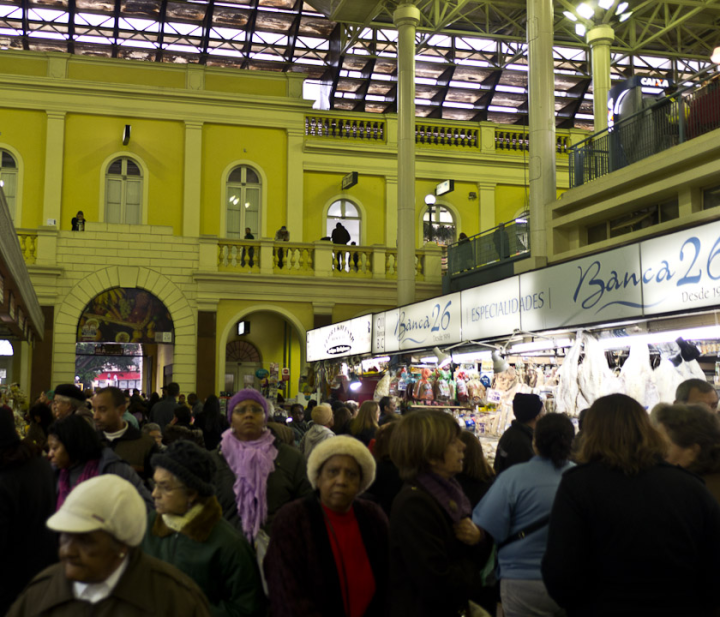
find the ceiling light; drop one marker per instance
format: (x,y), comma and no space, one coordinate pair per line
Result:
(430,199)
(667,336)
(6,348)
(606,4)
(247,204)
(621,8)
(355,383)
(443,359)
(540,345)
(625,16)
(715,56)
(585,10)
(570,16)
(580,29)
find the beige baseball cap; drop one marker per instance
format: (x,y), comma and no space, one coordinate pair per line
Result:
(107,503)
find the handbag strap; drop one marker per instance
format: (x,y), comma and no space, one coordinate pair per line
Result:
(533,527)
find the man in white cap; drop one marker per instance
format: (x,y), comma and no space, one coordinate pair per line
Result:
(101,525)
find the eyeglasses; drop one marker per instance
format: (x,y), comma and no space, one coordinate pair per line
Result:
(164,489)
(253,410)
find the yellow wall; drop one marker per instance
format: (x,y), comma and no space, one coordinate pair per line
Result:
(267,148)
(319,188)
(458,199)
(89,140)
(343,312)
(138,74)
(244,84)
(508,201)
(25,131)
(33,67)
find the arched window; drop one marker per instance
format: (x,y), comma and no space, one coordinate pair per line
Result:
(345,212)
(123,192)
(244,198)
(438,225)
(9,179)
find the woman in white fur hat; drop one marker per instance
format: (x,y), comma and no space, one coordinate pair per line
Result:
(328,552)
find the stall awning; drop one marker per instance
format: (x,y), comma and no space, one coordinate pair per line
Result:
(21,317)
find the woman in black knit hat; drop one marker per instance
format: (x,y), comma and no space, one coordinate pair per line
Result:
(189,532)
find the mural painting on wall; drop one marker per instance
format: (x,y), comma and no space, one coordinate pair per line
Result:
(125,315)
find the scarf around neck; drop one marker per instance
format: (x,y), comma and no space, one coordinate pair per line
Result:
(90,470)
(251,462)
(448,493)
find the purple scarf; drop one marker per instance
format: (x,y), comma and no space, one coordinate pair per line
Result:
(448,494)
(89,471)
(251,462)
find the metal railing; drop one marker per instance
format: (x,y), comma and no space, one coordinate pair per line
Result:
(372,129)
(506,242)
(673,120)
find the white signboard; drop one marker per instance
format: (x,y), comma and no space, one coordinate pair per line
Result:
(491,310)
(347,338)
(681,271)
(598,288)
(420,325)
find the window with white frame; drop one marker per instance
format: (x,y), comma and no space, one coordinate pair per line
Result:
(346,212)
(123,192)
(9,179)
(438,225)
(243,206)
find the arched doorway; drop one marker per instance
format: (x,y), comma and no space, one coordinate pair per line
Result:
(125,339)
(242,362)
(277,335)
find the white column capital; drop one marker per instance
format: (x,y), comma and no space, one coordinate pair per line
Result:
(600,34)
(406,15)
(194,124)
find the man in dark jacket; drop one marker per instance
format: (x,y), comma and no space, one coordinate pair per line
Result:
(516,444)
(163,412)
(340,235)
(125,440)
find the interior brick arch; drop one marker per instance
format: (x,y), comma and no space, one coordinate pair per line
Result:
(68,314)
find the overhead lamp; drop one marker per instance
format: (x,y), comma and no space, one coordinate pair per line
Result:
(443,359)
(500,364)
(6,348)
(472,356)
(430,199)
(666,336)
(580,29)
(625,17)
(606,4)
(540,345)
(715,56)
(570,16)
(521,221)
(355,382)
(585,10)
(621,8)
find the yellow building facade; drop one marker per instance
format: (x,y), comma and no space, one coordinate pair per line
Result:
(170,163)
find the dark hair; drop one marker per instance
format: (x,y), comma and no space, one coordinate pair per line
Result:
(554,434)
(116,395)
(42,411)
(295,406)
(81,442)
(211,413)
(192,398)
(475,464)
(183,415)
(581,418)
(341,416)
(617,432)
(173,389)
(690,425)
(385,400)
(682,394)
(383,436)
(138,407)
(308,410)
(419,438)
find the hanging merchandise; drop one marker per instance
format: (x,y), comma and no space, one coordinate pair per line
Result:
(383,387)
(568,390)
(638,378)
(442,386)
(476,390)
(423,388)
(595,379)
(461,387)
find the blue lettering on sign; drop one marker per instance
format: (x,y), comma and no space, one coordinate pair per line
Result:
(593,286)
(417,330)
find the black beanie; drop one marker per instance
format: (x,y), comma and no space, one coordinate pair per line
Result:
(70,391)
(527,407)
(190,463)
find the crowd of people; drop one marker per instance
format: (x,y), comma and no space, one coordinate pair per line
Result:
(117,505)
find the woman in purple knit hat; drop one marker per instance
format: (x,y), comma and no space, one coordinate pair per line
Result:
(256,473)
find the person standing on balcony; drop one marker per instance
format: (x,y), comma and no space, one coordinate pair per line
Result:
(78,222)
(282,235)
(250,250)
(340,235)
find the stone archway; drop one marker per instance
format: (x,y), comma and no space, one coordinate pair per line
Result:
(183,315)
(223,339)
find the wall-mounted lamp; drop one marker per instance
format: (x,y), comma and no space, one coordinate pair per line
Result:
(472,195)
(126,135)
(715,58)
(430,199)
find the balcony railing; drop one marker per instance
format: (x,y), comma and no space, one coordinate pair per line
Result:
(673,120)
(345,128)
(506,242)
(28,245)
(518,140)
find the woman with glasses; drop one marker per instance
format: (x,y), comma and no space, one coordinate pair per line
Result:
(188,531)
(256,474)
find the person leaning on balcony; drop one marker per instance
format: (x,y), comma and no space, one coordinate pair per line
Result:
(281,235)
(250,250)
(78,222)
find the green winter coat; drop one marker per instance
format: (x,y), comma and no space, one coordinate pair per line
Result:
(215,555)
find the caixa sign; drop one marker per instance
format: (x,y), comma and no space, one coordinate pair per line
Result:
(654,82)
